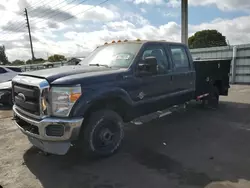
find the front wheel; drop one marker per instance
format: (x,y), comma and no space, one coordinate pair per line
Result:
(102,135)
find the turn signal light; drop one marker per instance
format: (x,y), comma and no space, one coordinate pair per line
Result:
(74,96)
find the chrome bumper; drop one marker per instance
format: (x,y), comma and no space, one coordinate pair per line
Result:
(71,127)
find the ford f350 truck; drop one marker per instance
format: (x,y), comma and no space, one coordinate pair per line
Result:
(88,104)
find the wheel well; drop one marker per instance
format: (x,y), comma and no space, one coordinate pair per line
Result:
(116,104)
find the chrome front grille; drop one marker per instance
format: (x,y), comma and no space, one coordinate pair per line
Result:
(28,95)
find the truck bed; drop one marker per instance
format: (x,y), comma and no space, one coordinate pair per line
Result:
(212,72)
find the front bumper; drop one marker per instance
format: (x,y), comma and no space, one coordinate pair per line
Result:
(39,138)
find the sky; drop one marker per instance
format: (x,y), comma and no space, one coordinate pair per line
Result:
(76,27)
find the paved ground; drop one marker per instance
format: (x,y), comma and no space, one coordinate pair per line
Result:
(196,148)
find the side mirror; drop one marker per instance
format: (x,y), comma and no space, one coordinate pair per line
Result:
(148,66)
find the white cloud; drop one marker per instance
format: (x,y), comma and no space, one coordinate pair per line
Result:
(170,31)
(120,25)
(75,37)
(89,12)
(143,10)
(135,18)
(55,11)
(46,25)
(169,3)
(225,5)
(235,30)
(79,43)
(171,14)
(168,12)
(157,2)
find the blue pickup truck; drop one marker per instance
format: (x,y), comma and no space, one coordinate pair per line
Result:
(87,105)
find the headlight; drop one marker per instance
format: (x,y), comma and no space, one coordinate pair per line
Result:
(63,99)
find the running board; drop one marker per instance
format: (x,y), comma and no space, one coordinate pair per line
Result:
(159,114)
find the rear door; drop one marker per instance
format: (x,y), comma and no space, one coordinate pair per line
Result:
(183,73)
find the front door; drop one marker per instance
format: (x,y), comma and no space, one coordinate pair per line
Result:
(154,90)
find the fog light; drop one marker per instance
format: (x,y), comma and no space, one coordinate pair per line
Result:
(55,130)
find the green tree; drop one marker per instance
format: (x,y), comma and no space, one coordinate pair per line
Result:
(29,61)
(3,57)
(56,57)
(39,60)
(18,62)
(206,38)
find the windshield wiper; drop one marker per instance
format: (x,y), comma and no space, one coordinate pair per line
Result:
(99,65)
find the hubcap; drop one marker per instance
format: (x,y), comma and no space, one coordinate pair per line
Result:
(106,136)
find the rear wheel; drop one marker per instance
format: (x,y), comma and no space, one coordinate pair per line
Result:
(102,135)
(212,100)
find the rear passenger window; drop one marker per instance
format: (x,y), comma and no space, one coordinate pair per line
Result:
(179,57)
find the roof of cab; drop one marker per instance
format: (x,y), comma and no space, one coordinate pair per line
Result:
(141,42)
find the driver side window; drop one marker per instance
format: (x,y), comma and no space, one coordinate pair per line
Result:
(158,52)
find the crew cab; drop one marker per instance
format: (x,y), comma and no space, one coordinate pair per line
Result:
(87,105)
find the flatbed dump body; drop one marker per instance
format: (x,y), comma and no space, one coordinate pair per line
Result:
(212,72)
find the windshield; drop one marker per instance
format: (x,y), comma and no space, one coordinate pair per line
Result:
(116,55)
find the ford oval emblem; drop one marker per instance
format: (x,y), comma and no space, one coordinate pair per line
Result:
(22,97)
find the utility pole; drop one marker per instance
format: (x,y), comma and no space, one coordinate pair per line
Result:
(184,21)
(28,25)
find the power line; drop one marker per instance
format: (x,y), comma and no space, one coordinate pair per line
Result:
(53,9)
(44,5)
(35,4)
(60,12)
(12,27)
(18,30)
(73,16)
(86,10)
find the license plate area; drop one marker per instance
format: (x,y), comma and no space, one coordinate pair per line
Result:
(36,142)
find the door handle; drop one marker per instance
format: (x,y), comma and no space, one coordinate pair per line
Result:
(171,78)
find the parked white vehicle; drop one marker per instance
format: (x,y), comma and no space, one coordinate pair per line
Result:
(7,73)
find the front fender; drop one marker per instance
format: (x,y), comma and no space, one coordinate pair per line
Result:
(88,99)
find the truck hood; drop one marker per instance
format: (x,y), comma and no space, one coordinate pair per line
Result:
(56,73)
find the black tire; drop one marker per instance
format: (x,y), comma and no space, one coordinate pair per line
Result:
(102,135)
(8,101)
